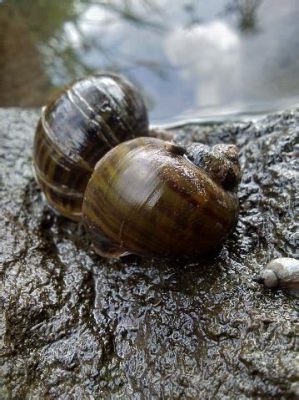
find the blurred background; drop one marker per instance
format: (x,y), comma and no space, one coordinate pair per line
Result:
(192,59)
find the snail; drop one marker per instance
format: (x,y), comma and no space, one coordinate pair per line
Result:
(154,198)
(95,159)
(280,273)
(76,129)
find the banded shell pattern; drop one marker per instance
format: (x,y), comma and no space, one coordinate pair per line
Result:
(146,197)
(76,129)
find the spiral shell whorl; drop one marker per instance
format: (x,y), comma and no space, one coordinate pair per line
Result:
(145,197)
(76,129)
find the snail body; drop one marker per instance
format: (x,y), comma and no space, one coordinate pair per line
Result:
(76,129)
(280,273)
(147,197)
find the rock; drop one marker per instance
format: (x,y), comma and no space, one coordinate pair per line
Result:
(75,326)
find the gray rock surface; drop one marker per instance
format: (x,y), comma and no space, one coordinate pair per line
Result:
(75,326)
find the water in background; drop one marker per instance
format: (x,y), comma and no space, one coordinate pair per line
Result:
(191,58)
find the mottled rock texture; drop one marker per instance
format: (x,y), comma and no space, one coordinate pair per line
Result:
(75,326)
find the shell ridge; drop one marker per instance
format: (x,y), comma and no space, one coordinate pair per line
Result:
(53,140)
(116,102)
(135,211)
(111,140)
(63,189)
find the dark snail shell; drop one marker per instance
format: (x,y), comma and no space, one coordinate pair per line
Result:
(146,197)
(75,130)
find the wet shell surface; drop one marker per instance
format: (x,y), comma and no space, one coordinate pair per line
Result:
(146,197)
(76,129)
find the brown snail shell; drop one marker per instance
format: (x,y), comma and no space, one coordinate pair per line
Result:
(147,197)
(280,273)
(76,129)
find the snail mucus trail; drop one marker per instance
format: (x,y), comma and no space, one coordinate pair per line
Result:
(95,159)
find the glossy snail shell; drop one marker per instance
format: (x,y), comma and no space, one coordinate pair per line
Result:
(76,129)
(147,197)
